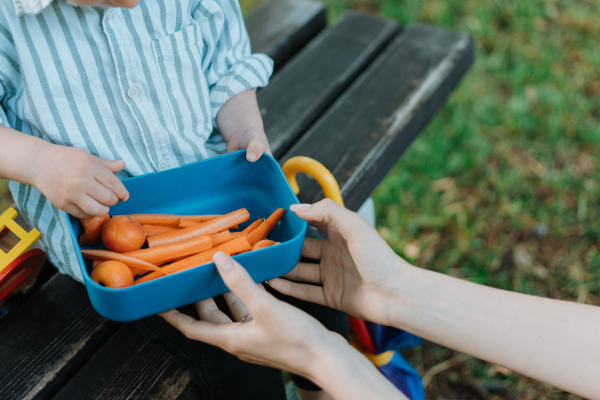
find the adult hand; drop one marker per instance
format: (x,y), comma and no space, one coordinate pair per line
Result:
(355,265)
(281,336)
(277,335)
(77,182)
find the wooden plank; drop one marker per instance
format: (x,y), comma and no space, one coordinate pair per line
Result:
(130,366)
(279,28)
(369,127)
(50,337)
(311,82)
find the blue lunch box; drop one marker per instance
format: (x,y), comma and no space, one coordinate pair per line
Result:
(215,186)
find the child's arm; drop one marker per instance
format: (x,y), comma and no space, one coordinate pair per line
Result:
(75,181)
(241,125)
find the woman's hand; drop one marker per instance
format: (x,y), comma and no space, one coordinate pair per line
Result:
(357,268)
(77,182)
(281,336)
(241,125)
(277,335)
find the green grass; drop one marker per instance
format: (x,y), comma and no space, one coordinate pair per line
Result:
(501,188)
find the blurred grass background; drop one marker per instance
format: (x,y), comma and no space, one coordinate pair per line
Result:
(501,188)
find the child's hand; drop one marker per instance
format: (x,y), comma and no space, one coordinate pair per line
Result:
(77,182)
(254,141)
(241,125)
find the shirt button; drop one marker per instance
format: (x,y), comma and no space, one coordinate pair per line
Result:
(132,92)
(162,165)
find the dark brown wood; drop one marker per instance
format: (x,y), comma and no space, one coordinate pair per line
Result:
(50,337)
(130,367)
(311,82)
(279,28)
(369,127)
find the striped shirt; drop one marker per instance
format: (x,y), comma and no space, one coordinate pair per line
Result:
(141,85)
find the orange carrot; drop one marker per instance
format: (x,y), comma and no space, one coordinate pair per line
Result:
(263,230)
(168,219)
(221,237)
(262,244)
(216,225)
(232,247)
(152,230)
(168,252)
(104,255)
(248,229)
(186,223)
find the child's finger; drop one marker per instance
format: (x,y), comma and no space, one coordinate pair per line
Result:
(92,207)
(255,149)
(102,194)
(114,165)
(110,180)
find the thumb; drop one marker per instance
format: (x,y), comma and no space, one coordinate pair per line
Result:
(256,148)
(114,165)
(328,211)
(239,281)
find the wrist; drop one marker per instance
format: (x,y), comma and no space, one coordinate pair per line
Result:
(37,164)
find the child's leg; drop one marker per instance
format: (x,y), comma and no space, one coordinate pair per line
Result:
(219,375)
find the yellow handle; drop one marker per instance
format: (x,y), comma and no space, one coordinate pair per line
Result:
(318,171)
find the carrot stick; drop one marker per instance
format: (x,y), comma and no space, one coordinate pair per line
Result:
(152,230)
(263,230)
(186,223)
(262,244)
(168,252)
(104,255)
(216,225)
(221,237)
(232,247)
(248,229)
(168,219)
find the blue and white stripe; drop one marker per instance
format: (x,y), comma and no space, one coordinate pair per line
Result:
(141,85)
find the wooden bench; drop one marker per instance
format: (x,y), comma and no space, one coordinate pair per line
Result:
(353,96)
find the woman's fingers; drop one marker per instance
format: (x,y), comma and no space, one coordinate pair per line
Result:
(301,291)
(239,281)
(207,332)
(208,311)
(237,308)
(328,211)
(305,272)
(312,248)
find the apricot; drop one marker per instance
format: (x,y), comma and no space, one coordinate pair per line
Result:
(112,274)
(92,230)
(123,234)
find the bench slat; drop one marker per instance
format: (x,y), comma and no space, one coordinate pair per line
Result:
(50,337)
(311,82)
(280,28)
(369,127)
(130,366)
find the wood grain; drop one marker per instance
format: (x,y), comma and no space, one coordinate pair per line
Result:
(311,82)
(50,337)
(369,127)
(280,28)
(130,367)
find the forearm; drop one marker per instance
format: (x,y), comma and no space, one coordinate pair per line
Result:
(346,374)
(549,340)
(17,153)
(239,114)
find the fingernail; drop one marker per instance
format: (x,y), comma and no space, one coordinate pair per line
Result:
(266,283)
(300,207)
(126,198)
(222,262)
(251,157)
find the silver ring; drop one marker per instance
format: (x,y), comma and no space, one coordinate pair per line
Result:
(247,317)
